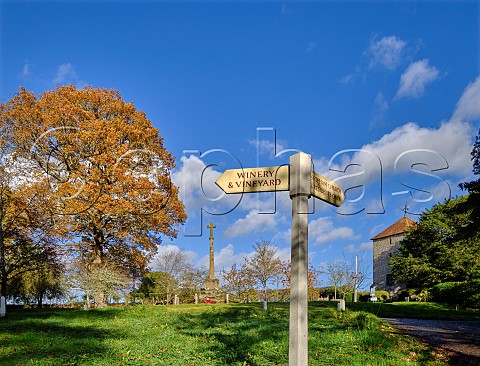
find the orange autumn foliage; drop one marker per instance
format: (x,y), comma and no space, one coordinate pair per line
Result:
(106,167)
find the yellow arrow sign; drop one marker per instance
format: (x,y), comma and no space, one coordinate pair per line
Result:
(249,180)
(326,190)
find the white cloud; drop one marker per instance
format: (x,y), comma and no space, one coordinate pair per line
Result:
(267,147)
(284,253)
(253,222)
(352,248)
(366,246)
(227,256)
(414,79)
(197,190)
(322,230)
(26,69)
(468,106)
(311,46)
(387,52)
(380,108)
(346,79)
(65,73)
(224,258)
(452,140)
(162,249)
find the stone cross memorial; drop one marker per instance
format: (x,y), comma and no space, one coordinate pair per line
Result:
(302,182)
(211,282)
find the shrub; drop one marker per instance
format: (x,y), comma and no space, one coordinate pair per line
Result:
(364,320)
(403,294)
(382,295)
(327,292)
(348,296)
(423,295)
(466,294)
(364,296)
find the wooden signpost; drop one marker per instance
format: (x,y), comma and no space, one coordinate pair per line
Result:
(301,182)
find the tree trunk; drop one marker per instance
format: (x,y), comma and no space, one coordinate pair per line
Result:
(3,268)
(169,296)
(98,262)
(40,301)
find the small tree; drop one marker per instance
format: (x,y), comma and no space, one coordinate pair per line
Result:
(157,285)
(335,275)
(264,265)
(237,281)
(107,280)
(345,277)
(176,264)
(44,282)
(312,277)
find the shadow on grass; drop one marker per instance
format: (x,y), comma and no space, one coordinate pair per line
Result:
(47,336)
(238,334)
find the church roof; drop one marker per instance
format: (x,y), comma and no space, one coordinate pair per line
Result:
(399,227)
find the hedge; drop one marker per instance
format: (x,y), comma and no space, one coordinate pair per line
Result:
(465,294)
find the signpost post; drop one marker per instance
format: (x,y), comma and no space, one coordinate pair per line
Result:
(302,182)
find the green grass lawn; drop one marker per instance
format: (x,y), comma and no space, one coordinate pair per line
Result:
(242,334)
(415,310)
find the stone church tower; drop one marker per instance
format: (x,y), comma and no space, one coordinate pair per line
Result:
(385,245)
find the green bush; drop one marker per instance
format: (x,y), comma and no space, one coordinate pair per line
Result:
(382,295)
(348,297)
(327,292)
(364,296)
(409,292)
(364,320)
(465,294)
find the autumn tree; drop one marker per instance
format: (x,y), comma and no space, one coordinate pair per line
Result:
(193,281)
(237,281)
(26,236)
(107,167)
(27,239)
(264,265)
(312,276)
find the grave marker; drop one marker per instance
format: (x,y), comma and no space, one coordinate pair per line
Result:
(3,307)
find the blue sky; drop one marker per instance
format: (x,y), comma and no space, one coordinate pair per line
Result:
(383,85)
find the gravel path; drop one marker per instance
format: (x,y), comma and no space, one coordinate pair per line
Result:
(459,339)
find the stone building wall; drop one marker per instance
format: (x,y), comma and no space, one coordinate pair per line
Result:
(383,249)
